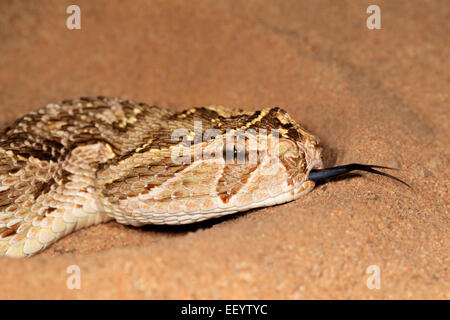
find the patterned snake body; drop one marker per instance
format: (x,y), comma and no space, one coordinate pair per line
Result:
(86,161)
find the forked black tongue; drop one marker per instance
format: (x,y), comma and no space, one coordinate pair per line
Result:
(322,174)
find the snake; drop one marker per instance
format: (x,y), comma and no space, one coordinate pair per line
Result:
(85,161)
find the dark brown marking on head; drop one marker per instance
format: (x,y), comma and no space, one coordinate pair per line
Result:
(287,125)
(254,115)
(268,121)
(294,134)
(275,110)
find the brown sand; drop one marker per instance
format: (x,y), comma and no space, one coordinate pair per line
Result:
(377,96)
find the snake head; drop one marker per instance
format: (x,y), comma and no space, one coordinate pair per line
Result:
(301,154)
(299,150)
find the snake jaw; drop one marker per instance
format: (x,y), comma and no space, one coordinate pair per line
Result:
(314,161)
(313,155)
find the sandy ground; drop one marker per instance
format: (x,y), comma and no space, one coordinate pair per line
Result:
(376,96)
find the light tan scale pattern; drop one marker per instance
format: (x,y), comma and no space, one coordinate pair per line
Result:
(82,162)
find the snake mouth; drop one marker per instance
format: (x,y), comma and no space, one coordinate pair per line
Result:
(327,173)
(314,161)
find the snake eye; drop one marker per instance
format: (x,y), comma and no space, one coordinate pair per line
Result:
(235,154)
(288,148)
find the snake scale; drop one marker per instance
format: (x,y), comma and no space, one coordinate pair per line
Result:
(86,161)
